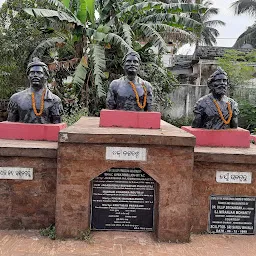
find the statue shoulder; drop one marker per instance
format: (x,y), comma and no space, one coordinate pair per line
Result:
(15,100)
(204,99)
(56,98)
(234,106)
(146,83)
(115,83)
(18,95)
(232,101)
(50,95)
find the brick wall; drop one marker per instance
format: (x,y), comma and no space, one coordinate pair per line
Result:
(182,192)
(81,158)
(28,203)
(207,162)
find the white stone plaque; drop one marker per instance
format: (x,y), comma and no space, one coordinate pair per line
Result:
(16,173)
(126,154)
(234,177)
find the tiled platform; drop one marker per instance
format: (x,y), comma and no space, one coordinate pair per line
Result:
(30,243)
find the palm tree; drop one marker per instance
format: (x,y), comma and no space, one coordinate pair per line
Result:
(207,33)
(247,37)
(247,7)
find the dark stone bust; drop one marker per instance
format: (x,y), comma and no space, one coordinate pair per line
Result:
(216,110)
(37,104)
(130,92)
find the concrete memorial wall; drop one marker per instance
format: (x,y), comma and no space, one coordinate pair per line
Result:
(27,183)
(110,178)
(86,151)
(223,172)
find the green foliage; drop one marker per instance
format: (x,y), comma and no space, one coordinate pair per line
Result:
(178,122)
(84,235)
(84,10)
(80,74)
(244,6)
(19,35)
(74,115)
(207,32)
(103,43)
(60,15)
(73,111)
(247,37)
(235,63)
(50,232)
(247,116)
(162,80)
(49,43)
(118,28)
(127,34)
(123,18)
(99,66)
(152,34)
(9,83)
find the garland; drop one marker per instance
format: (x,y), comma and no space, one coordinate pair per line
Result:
(220,113)
(41,103)
(137,95)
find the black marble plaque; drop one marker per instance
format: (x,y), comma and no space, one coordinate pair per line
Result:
(122,199)
(232,215)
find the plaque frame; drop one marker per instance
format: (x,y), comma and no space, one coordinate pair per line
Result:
(154,208)
(230,233)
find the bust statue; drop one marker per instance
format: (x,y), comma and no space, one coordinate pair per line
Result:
(216,110)
(37,104)
(130,92)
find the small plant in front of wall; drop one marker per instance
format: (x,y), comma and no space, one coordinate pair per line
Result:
(84,235)
(49,232)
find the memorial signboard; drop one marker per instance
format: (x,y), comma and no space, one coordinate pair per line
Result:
(16,173)
(232,215)
(126,154)
(122,199)
(234,177)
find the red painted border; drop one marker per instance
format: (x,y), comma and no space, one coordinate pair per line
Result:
(24,131)
(130,119)
(239,137)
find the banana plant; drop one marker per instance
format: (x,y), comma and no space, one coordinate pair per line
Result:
(46,44)
(121,24)
(81,15)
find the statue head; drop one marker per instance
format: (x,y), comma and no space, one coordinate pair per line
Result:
(218,82)
(131,63)
(37,73)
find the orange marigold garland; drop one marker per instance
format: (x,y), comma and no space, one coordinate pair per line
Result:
(220,113)
(41,103)
(137,95)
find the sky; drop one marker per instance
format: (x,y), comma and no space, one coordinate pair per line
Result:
(235,25)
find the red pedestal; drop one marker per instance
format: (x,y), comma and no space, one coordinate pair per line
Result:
(130,119)
(239,137)
(253,139)
(24,131)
